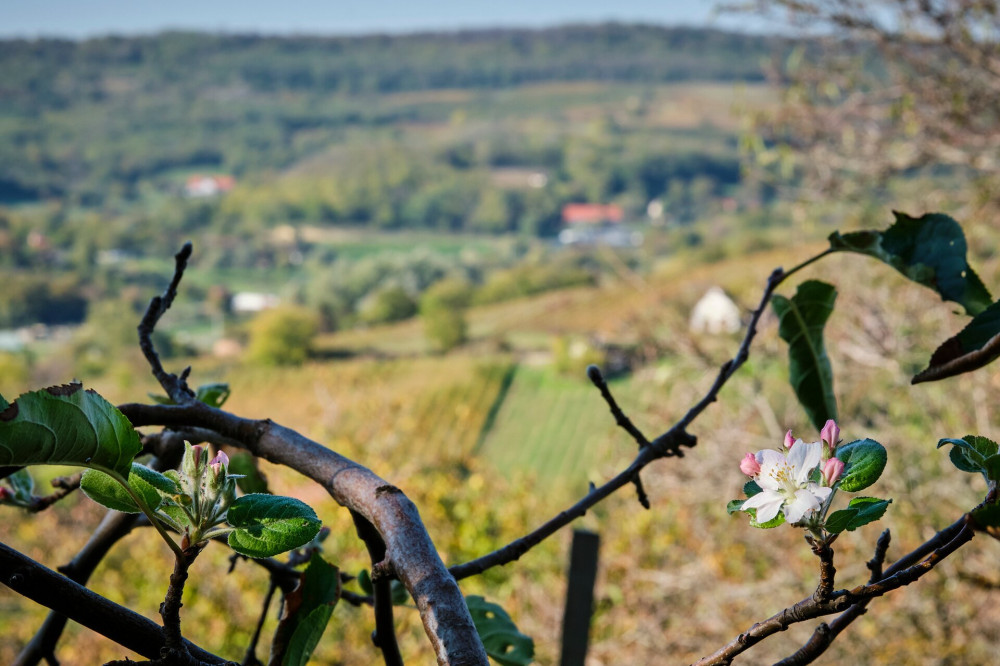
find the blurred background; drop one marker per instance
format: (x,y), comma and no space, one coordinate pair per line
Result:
(415,226)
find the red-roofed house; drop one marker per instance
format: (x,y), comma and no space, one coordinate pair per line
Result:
(208,186)
(586,213)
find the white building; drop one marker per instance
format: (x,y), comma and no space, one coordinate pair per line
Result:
(715,313)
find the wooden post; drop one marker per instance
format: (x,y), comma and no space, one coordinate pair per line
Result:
(579,597)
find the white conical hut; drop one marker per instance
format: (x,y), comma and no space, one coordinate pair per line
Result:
(715,313)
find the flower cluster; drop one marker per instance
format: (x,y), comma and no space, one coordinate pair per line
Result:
(204,492)
(797,482)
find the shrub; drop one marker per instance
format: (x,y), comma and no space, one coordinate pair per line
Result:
(282,336)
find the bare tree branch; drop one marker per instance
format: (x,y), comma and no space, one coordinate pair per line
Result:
(825,634)
(52,590)
(624,422)
(410,553)
(384,636)
(670,443)
(409,549)
(113,527)
(176,387)
(940,546)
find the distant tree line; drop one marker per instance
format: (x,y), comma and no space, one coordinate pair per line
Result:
(92,121)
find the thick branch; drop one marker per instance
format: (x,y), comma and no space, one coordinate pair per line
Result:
(113,527)
(125,627)
(409,549)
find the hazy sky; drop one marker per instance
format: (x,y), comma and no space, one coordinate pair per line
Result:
(86,18)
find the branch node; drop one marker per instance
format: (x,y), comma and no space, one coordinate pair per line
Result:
(623,421)
(383,570)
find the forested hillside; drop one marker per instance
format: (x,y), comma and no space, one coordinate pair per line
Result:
(486,133)
(82,119)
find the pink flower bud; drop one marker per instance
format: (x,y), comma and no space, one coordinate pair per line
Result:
(830,434)
(219,461)
(749,465)
(789,439)
(832,469)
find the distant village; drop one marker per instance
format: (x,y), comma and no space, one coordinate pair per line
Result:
(584,224)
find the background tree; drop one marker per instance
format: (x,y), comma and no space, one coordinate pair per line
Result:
(883,88)
(282,336)
(442,308)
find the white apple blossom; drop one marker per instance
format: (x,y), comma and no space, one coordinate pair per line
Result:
(785,483)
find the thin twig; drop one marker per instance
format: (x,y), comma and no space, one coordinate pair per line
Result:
(64,485)
(624,422)
(170,610)
(944,544)
(250,657)
(176,387)
(384,636)
(827,572)
(670,443)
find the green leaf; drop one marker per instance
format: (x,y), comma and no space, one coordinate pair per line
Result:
(65,425)
(108,492)
(365,581)
(161,482)
(22,484)
(971,453)
(864,460)
(930,250)
(991,467)
(400,595)
(774,522)
(860,511)
(3,403)
(733,506)
(307,611)
(975,346)
(501,638)
(801,321)
(838,521)
(308,631)
(253,480)
(175,513)
(987,515)
(751,488)
(213,395)
(268,524)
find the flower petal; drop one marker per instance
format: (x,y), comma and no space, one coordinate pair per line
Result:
(805,502)
(820,492)
(767,503)
(804,457)
(771,462)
